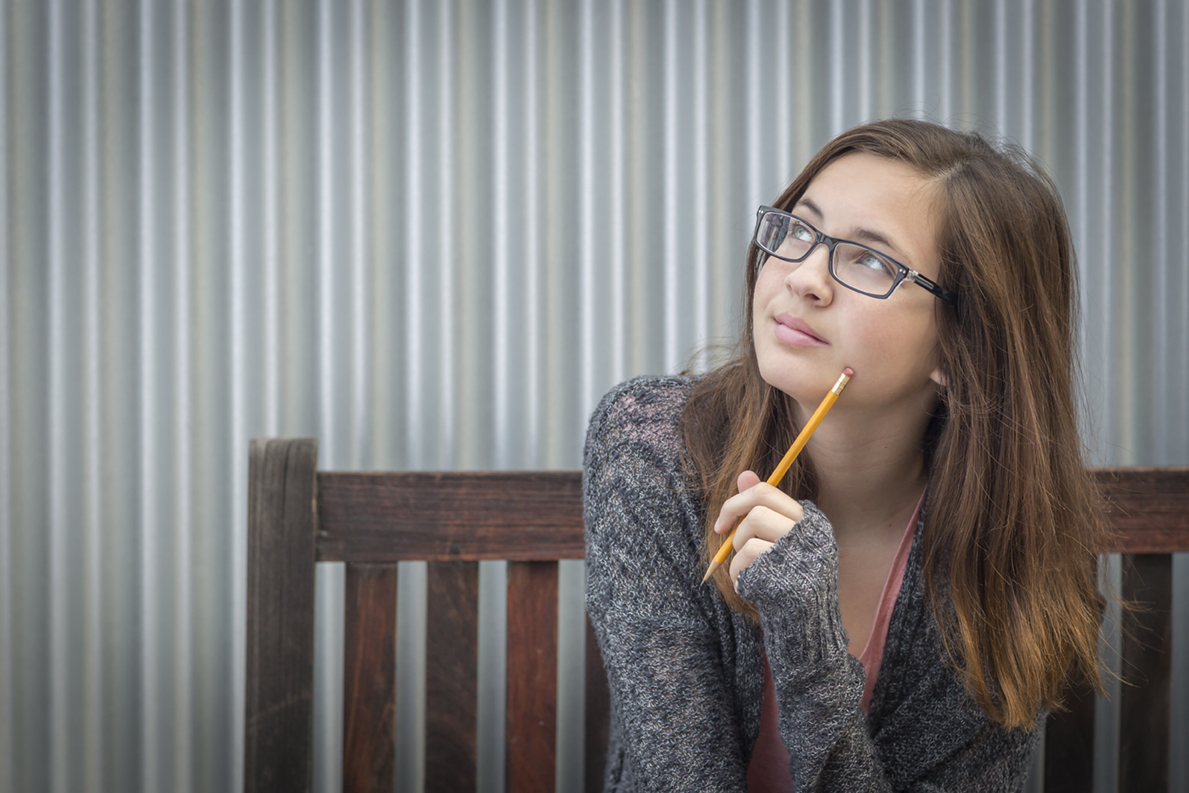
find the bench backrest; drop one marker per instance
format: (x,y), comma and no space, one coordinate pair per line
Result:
(299,516)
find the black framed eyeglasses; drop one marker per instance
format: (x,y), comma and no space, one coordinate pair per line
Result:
(852,264)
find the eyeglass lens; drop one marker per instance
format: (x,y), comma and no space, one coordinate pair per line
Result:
(860,268)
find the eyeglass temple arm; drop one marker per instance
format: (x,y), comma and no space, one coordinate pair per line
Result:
(932,286)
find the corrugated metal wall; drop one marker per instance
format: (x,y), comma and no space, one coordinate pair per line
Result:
(432,234)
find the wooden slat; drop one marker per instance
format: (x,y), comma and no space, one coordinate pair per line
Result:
(537,515)
(532,676)
(451,677)
(1148,508)
(598,714)
(369,679)
(390,517)
(278,726)
(1145,707)
(1069,745)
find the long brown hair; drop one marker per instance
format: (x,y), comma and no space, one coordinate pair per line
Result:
(1014,518)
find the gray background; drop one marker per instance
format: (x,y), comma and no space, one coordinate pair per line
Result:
(432,234)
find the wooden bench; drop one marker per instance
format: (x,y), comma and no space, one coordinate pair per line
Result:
(299,516)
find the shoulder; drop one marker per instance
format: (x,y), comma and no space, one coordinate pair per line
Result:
(635,462)
(643,513)
(642,401)
(644,413)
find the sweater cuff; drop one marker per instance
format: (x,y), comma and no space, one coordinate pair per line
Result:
(794,586)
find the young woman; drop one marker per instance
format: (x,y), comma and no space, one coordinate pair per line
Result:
(902,612)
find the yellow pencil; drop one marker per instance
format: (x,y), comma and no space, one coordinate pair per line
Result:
(787,460)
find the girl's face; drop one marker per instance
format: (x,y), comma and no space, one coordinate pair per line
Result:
(891,344)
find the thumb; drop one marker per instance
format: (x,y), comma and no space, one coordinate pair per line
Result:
(748,480)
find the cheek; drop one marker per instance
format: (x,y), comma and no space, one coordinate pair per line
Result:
(883,345)
(768,285)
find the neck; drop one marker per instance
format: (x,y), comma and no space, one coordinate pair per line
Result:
(870,470)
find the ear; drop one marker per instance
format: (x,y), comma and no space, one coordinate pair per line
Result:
(940,375)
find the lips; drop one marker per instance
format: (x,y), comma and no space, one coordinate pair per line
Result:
(789,321)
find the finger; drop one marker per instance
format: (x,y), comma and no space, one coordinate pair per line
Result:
(747,480)
(761,493)
(762,523)
(746,555)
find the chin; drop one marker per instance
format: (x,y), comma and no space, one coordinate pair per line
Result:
(788,381)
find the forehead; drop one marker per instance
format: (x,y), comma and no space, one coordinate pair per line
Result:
(863,192)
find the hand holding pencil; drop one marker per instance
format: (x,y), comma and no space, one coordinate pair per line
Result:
(787,460)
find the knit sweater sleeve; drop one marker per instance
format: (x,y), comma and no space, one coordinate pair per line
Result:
(940,742)
(672,708)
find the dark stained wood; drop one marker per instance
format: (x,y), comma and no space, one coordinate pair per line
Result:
(1069,745)
(278,724)
(537,515)
(451,676)
(598,714)
(533,519)
(1145,706)
(369,679)
(1148,507)
(390,517)
(532,676)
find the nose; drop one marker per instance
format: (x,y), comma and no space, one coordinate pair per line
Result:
(811,280)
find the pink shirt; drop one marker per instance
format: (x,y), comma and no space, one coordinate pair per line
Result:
(768,771)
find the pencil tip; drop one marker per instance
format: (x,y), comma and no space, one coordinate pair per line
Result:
(709,572)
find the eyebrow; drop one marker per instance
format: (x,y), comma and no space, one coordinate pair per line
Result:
(860,234)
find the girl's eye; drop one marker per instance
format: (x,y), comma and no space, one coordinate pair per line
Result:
(801,232)
(873,262)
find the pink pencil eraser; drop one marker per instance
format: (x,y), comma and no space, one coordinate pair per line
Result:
(848,372)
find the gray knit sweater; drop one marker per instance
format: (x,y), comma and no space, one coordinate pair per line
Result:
(686,672)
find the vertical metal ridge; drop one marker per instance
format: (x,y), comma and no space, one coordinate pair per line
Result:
(670,188)
(751,114)
(619,201)
(807,50)
(237,520)
(1107,284)
(864,61)
(1183,365)
(58,583)
(270,187)
(7,718)
(533,202)
(151,727)
(361,413)
(415,447)
(1000,45)
(783,99)
(447,316)
(1160,148)
(93,668)
(701,167)
(837,92)
(1128,331)
(1081,159)
(586,208)
(182,623)
(326,238)
(918,57)
(1026,76)
(501,195)
(945,108)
